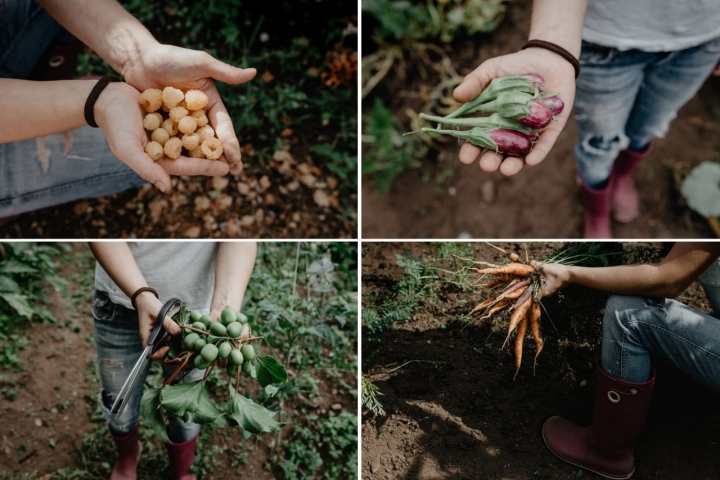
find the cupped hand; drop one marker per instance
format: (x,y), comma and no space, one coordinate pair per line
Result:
(119,114)
(148,307)
(559,78)
(553,277)
(160,66)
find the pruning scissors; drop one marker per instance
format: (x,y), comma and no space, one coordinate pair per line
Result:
(157,337)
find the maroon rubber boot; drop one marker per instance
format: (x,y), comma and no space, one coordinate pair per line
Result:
(624,198)
(597,211)
(182,456)
(606,447)
(128,447)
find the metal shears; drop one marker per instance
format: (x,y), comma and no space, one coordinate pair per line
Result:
(157,337)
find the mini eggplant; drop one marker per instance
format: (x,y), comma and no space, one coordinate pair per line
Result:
(501,140)
(554,103)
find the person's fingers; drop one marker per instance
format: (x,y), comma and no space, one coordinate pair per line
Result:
(490,162)
(171,327)
(225,73)
(237,168)
(160,354)
(511,166)
(144,166)
(475,82)
(535,264)
(221,122)
(468,153)
(245,332)
(194,166)
(545,143)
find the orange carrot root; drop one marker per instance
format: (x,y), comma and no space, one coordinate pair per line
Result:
(518,269)
(514,257)
(522,330)
(535,328)
(497,307)
(514,294)
(516,316)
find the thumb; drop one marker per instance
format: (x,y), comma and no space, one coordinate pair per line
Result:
(475,82)
(226,73)
(170,326)
(144,166)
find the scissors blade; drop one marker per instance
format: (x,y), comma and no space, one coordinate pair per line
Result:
(131,382)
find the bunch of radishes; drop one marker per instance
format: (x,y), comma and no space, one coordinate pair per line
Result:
(520,110)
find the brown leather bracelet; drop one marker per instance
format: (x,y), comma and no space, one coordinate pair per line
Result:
(141,290)
(555,48)
(94,95)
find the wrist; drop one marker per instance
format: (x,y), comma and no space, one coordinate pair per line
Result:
(558,62)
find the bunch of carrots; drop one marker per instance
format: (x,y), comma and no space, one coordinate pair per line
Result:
(514,287)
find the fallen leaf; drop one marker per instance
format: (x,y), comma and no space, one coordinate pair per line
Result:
(220,183)
(202,203)
(267,77)
(286,132)
(243,188)
(192,232)
(321,198)
(247,220)
(264,182)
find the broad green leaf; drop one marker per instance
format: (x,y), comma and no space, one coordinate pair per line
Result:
(183,316)
(203,412)
(19,303)
(323,331)
(179,398)
(151,413)
(269,370)
(7,284)
(13,266)
(271,390)
(252,417)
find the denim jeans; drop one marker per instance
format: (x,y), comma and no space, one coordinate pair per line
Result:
(58,168)
(634,328)
(626,98)
(118,349)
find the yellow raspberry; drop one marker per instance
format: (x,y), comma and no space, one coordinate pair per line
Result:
(170,127)
(152,121)
(196,153)
(160,135)
(172,96)
(151,99)
(177,113)
(187,125)
(200,117)
(212,148)
(154,150)
(191,141)
(196,99)
(173,148)
(206,132)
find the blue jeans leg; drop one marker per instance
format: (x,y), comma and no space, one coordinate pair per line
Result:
(626,98)
(60,168)
(634,328)
(26,31)
(118,349)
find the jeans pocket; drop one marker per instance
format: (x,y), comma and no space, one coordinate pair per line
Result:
(713,46)
(592,54)
(103,308)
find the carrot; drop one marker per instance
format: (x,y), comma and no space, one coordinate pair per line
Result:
(527,293)
(497,307)
(514,294)
(514,257)
(484,304)
(518,269)
(515,285)
(535,327)
(492,283)
(516,316)
(522,330)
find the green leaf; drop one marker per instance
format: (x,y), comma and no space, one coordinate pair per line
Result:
(323,331)
(183,316)
(179,398)
(151,413)
(204,411)
(19,303)
(14,266)
(252,417)
(7,284)
(269,370)
(271,390)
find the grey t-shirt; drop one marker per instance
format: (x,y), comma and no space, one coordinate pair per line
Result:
(652,25)
(185,270)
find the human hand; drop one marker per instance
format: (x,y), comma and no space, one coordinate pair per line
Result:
(119,114)
(559,78)
(159,66)
(553,277)
(148,307)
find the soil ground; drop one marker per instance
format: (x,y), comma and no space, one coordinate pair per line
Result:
(542,201)
(464,417)
(57,403)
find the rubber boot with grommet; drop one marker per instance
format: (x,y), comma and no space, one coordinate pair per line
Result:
(128,447)
(606,447)
(624,198)
(182,456)
(597,210)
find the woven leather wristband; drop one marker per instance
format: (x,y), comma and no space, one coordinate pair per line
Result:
(139,291)
(94,95)
(555,48)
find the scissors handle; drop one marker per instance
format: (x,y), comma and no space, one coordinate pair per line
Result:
(159,334)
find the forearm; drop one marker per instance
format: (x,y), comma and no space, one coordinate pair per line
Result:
(33,109)
(560,22)
(105,26)
(234,265)
(119,263)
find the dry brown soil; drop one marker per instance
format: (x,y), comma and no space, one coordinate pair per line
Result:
(465,418)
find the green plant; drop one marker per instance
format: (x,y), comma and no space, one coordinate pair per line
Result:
(370,392)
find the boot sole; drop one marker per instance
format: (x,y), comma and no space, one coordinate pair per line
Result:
(602,474)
